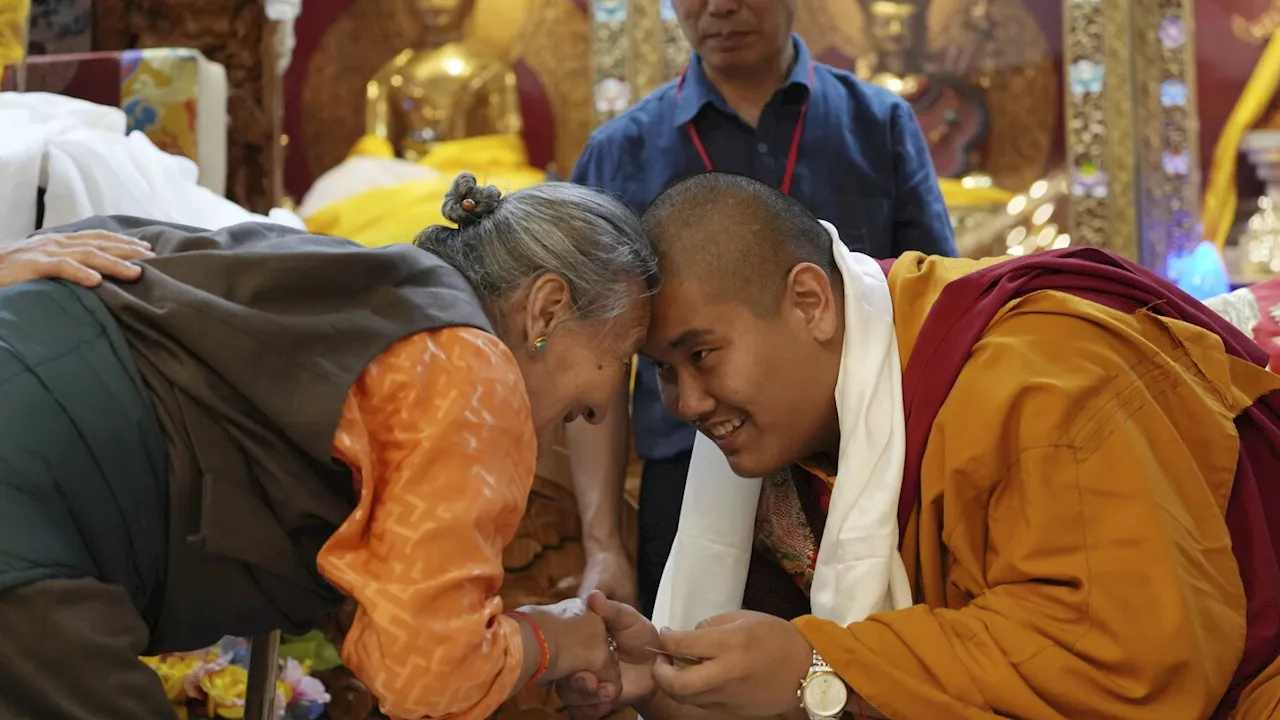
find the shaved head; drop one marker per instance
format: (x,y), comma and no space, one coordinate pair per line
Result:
(736,237)
(747,331)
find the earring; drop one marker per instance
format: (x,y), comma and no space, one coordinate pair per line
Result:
(540,344)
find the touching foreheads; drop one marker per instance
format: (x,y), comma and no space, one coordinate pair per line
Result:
(735,237)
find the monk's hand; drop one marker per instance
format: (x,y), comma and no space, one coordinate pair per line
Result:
(585,695)
(577,641)
(83,258)
(752,664)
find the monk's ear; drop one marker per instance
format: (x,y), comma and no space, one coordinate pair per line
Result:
(810,295)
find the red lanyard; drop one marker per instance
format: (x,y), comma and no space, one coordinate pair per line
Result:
(792,154)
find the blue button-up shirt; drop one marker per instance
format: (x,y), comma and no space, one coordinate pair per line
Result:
(863,166)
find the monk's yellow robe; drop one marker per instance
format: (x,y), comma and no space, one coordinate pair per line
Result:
(1070,553)
(397,213)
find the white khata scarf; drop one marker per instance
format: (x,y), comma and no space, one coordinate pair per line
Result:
(859,570)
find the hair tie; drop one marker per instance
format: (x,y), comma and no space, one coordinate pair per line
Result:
(468,205)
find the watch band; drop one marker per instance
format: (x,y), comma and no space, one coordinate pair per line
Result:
(819,665)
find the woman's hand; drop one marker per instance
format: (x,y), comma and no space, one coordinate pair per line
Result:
(577,641)
(589,697)
(752,665)
(80,257)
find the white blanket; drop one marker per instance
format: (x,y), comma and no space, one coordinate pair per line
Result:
(79,153)
(859,570)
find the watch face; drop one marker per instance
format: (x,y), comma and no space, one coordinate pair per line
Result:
(825,695)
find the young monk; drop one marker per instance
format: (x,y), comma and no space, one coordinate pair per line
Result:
(1040,487)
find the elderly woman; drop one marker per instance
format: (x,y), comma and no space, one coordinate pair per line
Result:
(268,421)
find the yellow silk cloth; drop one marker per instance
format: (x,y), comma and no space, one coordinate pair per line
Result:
(397,213)
(14,16)
(1070,554)
(956,195)
(1219,210)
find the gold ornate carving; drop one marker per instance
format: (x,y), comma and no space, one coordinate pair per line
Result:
(646,66)
(237,34)
(675,48)
(1168,148)
(1099,124)
(609,47)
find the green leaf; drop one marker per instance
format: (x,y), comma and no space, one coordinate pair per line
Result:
(313,647)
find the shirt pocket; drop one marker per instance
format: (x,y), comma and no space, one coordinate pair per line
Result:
(865,224)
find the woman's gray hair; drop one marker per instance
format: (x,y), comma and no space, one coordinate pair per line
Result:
(503,242)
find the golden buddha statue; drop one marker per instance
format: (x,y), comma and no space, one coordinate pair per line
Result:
(446,108)
(896,36)
(448,91)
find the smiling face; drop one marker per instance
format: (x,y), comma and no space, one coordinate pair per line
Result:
(583,362)
(761,385)
(735,35)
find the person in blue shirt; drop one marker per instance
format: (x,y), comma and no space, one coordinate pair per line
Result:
(751,101)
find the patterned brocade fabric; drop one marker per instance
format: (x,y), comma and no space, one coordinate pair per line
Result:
(439,438)
(159,88)
(783,531)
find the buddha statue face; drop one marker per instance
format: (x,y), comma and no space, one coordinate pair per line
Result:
(893,24)
(444,14)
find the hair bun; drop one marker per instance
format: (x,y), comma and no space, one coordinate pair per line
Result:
(467,202)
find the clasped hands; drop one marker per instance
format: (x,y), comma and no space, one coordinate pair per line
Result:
(752,664)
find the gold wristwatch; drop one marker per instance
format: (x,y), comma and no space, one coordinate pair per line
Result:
(823,693)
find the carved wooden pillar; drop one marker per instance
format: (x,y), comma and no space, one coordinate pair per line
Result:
(1132,126)
(237,34)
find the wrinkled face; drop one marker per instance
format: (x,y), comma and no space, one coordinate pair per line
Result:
(752,384)
(584,362)
(443,13)
(732,35)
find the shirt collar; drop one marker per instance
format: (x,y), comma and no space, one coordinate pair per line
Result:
(697,90)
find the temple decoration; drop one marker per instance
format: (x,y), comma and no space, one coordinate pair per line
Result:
(1257,97)
(444,90)
(951,109)
(1012,223)
(524,66)
(1100,125)
(1259,29)
(1168,129)
(608,32)
(1260,243)
(238,35)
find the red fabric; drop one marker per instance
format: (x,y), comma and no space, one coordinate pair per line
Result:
(1267,332)
(91,76)
(965,308)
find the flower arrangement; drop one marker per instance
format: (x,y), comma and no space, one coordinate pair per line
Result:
(211,683)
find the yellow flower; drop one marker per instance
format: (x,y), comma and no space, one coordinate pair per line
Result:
(172,670)
(226,689)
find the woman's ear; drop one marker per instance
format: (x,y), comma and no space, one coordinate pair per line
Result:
(547,304)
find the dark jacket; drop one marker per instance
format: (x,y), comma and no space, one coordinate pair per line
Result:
(248,340)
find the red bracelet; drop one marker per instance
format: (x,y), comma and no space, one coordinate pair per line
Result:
(542,645)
